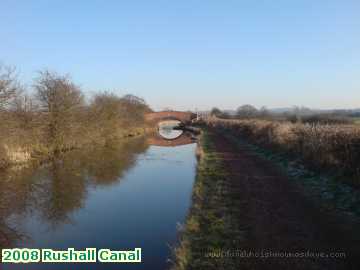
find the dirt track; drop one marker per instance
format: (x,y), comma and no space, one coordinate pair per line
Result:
(277,217)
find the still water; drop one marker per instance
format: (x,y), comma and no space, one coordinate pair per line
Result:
(129,195)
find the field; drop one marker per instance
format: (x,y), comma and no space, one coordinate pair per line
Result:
(357,120)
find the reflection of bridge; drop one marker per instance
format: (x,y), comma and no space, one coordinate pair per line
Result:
(156,117)
(157,140)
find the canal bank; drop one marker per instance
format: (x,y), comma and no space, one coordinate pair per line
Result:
(16,158)
(246,213)
(210,226)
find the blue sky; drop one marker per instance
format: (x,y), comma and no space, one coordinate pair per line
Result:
(191,53)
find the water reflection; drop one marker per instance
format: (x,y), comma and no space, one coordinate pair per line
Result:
(15,193)
(120,197)
(60,187)
(169,133)
(167,129)
(183,139)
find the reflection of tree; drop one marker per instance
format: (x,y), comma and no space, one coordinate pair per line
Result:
(71,174)
(65,191)
(15,190)
(8,235)
(108,164)
(60,187)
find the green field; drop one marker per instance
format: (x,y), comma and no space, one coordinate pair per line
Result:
(357,120)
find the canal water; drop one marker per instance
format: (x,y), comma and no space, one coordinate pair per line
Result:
(130,195)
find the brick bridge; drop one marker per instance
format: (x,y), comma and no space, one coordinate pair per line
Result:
(183,117)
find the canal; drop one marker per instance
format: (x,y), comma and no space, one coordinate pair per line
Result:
(133,194)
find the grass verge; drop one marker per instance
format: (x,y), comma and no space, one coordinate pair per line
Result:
(210,231)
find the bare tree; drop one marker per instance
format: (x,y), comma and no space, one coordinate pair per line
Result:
(246,111)
(264,112)
(133,109)
(134,100)
(56,118)
(24,111)
(60,102)
(216,112)
(106,114)
(8,85)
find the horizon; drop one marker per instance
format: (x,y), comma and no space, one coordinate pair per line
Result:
(193,56)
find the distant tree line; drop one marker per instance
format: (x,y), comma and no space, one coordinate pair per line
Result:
(295,115)
(244,111)
(55,116)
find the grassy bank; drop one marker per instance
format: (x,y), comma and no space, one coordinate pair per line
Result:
(210,223)
(334,149)
(324,179)
(19,156)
